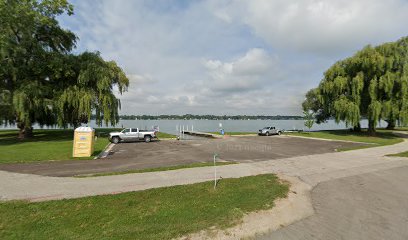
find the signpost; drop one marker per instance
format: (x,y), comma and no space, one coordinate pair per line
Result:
(221,129)
(215,170)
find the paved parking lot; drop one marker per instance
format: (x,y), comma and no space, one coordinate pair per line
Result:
(240,149)
(140,155)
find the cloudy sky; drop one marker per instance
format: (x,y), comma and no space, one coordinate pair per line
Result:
(229,57)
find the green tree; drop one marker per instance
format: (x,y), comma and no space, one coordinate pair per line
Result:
(313,104)
(89,89)
(371,84)
(40,80)
(309,119)
(30,36)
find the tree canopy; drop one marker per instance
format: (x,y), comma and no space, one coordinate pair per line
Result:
(371,84)
(41,80)
(93,80)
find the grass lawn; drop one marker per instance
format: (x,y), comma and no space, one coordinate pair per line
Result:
(162,213)
(401,154)
(398,129)
(382,138)
(234,133)
(48,144)
(158,169)
(161,135)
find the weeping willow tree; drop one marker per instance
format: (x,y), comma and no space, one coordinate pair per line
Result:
(30,38)
(90,90)
(371,84)
(41,81)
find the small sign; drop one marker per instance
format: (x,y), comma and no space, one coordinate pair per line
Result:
(220,124)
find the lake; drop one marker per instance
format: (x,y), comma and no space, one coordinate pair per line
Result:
(173,126)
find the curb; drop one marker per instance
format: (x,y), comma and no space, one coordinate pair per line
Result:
(105,152)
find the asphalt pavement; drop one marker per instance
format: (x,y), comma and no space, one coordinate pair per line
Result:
(367,206)
(141,155)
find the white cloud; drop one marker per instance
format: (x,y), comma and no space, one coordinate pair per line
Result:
(140,79)
(323,27)
(245,73)
(229,57)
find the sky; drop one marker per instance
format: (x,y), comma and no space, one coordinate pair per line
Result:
(254,57)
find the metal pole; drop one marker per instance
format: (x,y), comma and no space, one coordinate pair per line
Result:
(215,172)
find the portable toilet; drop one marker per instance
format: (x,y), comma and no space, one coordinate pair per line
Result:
(84,139)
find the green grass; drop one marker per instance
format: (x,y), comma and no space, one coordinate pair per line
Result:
(162,135)
(45,145)
(392,130)
(401,154)
(381,138)
(162,213)
(49,144)
(158,169)
(397,129)
(234,133)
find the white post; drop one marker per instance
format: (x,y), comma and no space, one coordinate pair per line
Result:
(183,131)
(215,172)
(192,128)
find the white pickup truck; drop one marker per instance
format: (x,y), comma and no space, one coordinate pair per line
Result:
(132,134)
(269,131)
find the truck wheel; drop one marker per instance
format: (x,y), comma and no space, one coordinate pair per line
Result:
(267,134)
(147,138)
(115,140)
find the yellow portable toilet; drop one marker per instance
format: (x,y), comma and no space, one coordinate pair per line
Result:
(84,139)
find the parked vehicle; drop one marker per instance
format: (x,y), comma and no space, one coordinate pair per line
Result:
(266,131)
(132,134)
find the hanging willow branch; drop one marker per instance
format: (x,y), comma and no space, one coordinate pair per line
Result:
(372,84)
(91,91)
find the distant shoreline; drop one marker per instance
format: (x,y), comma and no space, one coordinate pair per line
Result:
(210,117)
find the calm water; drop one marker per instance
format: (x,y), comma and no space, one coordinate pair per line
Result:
(172,126)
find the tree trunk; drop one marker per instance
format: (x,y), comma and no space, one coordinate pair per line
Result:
(357,128)
(391,124)
(25,131)
(371,127)
(28,132)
